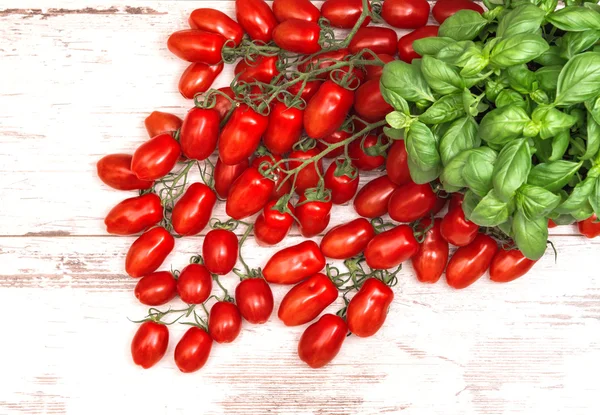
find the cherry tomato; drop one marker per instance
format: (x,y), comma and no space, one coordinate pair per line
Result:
(347,240)
(249,194)
(372,200)
(222,104)
(368,309)
(298,36)
(456,229)
(411,202)
(256,18)
(396,164)
(272,225)
(115,171)
(241,135)
(360,158)
(343,13)
(192,351)
(224,322)
(313,215)
(430,260)
(280,188)
(308,90)
(226,174)
(197,46)
(334,138)
(149,344)
(215,21)
(156,157)
(442,9)
(193,210)
(405,44)
(199,133)
(470,262)
(589,228)
(156,289)
(295,9)
(148,252)
(220,251)
(255,300)
(456,200)
(308,176)
(322,341)
(324,60)
(375,71)
(198,78)
(134,215)
(295,263)
(284,129)
(508,265)
(551,224)
(161,122)
(440,203)
(369,103)
(377,39)
(391,248)
(307,300)
(194,284)
(342,186)
(327,110)
(262,69)
(405,14)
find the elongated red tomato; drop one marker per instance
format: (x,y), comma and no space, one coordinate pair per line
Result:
(430,260)
(347,240)
(295,9)
(327,110)
(220,251)
(298,36)
(313,215)
(405,44)
(197,46)
(377,39)
(281,188)
(470,262)
(295,263)
(369,103)
(375,71)
(257,19)
(342,186)
(224,322)
(391,248)
(361,159)
(308,90)
(215,21)
(156,157)
(334,138)
(456,200)
(255,300)
(262,69)
(396,165)
(222,104)
(193,210)
(241,135)
(508,265)
(115,171)
(321,341)
(411,202)
(249,194)
(272,225)
(551,224)
(405,14)
(192,351)
(590,228)
(199,133)
(308,176)
(324,60)
(148,252)
(284,129)
(194,284)
(149,344)
(368,309)
(198,78)
(372,200)
(343,13)
(307,300)
(156,289)
(161,122)
(456,229)
(134,215)
(226,174)
(442,9)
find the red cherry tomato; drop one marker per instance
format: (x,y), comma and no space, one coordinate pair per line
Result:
(324,60)
(284,129)
(295,9)
(134,215)
(161,122)
(334,138)
(197,46)
(440,203)
(411,202)
(149,344)
(156,289)
(226,174)
(368,309)
(193,210)
(222,104)
(456,229)
(508,265)
(405,44)
(192,351)
(456,200)
(347,240)
(308,176)
(199,133)
(224,322)
(430,260)
(405,14)
(322,341)
(551,224)
(342,186)
(589,228)
(194,284)
(215,21)
(115,171)
(198,78)
(470,262)
(280,188)
(396,164)
(327,110)
(360,158)
(295,263)
(262,69)
(255,300)
(308,90)
(391,248)
(442,9)
(249,194)
(375,71)
(256,18)
(377,39)
(343,13)
(148,252)
(241,135)
(307,300)
(298,36)
(220,251)
(372,200)
(156,157)
(369,103)
(313,216)
(272,225)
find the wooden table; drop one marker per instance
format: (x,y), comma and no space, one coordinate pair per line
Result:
(77,80)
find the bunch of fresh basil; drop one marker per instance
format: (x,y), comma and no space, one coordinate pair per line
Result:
(505,107)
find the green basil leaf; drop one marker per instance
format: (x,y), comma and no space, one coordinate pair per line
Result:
(526,18)
(420,176)
(579,79)
(531,236)
(451,177)
(593,138)
(560,144)
(463,25)
(461,136)
(551,57)
(421,147)
(394,133)
(547,78)
(593,106)
(583,212)
(594,198)
(592,5)
(508,97)
(521,79)
(501,125)
(551,121)
(573,43)
(398,120)
(470,201)
(517,49)
(394,99)
(512,168)
(536,201)
(406,81)
(441,77)
(562,219)
(431,45)
(491,211)
(478,170)
(575,19)
(578,197)
(543,149)
(493,87)
(448,108)
(548,6)
(553,176)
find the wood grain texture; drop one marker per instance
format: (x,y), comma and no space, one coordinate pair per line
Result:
(78,78)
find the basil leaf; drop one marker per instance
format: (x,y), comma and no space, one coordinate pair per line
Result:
(551,57)
(517,49)
(560,143)
(575,19)
(463,25)
(441,77)
(421,146)
(521,79)
(462,135)
(553,176)
(406,81)
(536,201)
(578,197)
(583,212)
(531,236)
(562,219)
(594,198)
(548,6)
(448,108)
(491,211)
(398,120)
(477,172)
(501,125)
(593,106)
(508,97)
(451,176)
(470,201)
(512,168)
(394,99)
(579,79)
(551,121)
(547,78)
(593,138)
(573,43)
(423,176)
(431,45)
(494,87)
(394,133)
(526,18)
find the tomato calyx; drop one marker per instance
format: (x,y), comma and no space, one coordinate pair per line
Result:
(345,167)
(420,229)
(379,225)
(199,322)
